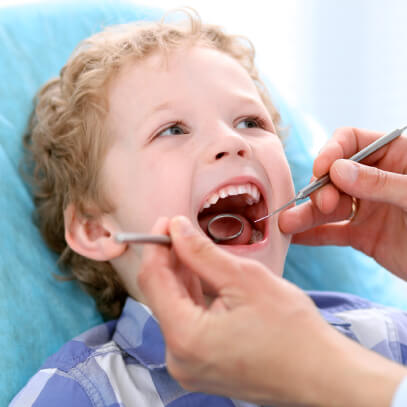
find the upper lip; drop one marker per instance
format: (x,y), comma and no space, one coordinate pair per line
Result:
(239,180)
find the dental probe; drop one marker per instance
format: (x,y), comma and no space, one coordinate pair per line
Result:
(320,182)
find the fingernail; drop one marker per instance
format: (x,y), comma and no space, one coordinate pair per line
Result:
(347,170)
(183,226)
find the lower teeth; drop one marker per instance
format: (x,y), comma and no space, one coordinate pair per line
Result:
(257,236)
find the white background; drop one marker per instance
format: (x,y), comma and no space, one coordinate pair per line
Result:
(342,61)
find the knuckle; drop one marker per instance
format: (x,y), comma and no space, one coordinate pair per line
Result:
(343,131)
(343,134)
(379,179)
(347,139)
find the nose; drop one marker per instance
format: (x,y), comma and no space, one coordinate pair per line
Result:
(228,142)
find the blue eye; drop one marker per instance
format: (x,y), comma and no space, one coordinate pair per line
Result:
(173,130)
(250,123)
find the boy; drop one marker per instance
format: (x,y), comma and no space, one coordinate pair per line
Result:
(150,120)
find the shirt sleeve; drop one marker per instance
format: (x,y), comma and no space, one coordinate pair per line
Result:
(400,397)
(50,388)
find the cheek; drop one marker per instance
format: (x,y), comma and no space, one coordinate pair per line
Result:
(150,188)
(275,163)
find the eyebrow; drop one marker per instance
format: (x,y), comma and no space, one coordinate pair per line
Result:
(241,99)
(160,107)
(249,100)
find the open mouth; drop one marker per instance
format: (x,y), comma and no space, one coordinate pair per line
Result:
(245,201)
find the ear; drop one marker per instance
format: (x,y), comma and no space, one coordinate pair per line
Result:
(91,238)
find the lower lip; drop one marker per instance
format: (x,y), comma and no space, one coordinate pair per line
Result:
(249,248)
(245,248)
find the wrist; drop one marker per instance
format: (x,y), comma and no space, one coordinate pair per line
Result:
(354,376)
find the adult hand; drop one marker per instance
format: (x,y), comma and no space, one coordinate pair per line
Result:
(380,226)
(261,338)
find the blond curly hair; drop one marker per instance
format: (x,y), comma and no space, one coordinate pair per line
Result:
(67,141)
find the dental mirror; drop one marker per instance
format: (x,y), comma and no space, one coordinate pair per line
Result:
(224,227)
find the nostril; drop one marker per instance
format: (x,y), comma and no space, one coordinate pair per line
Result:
(241,153)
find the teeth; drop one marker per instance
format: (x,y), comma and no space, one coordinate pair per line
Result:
(257,236)
(255,193)
(213,199)
(241,189)
(231,190)
(223,193)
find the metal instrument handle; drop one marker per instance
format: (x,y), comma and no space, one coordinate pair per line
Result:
(370,149)
(142,238)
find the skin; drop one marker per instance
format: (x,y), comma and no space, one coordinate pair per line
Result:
(156,167)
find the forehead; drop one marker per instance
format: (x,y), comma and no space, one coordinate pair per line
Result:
(185,71)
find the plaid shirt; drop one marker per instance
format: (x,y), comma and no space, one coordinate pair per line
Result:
(122,363)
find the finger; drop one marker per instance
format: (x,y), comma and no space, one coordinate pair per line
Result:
(344,143)
(164,293)
(326,235)
(370,183)
(156,277)
(213,265)
(193,285)
(171,303)
(157,254)
(307,216)
(326,199)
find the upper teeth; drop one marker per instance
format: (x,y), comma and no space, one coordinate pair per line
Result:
(250,189)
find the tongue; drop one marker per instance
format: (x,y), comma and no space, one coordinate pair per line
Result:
(228,227)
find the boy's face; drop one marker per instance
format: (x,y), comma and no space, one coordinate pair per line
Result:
(184,129)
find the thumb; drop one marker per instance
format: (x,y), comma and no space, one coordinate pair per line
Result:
(211,263)
(370,183)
